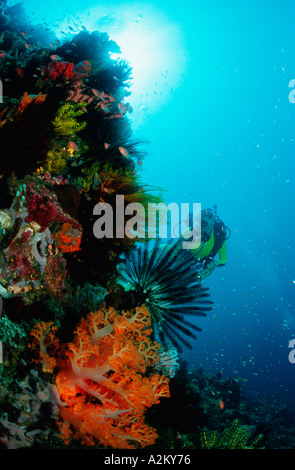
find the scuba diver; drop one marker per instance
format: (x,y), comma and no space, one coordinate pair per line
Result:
(214,234)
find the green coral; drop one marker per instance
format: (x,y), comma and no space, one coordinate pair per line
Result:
(65,122)
(91,175)
(11,332)
(235,437)
(13,337)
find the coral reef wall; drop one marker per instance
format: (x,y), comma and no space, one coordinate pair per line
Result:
(66,145)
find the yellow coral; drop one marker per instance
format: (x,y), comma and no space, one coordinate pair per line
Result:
(65,122)
(66,126)
(234,437)
(56,160)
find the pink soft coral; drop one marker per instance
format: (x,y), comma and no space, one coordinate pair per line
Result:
(103,380)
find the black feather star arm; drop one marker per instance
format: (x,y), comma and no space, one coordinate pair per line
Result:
(164,277)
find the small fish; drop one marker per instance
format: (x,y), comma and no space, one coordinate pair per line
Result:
(116,116)
(20,72)
(105,108)
(95,92)
(23,33)
(106,145)
(104,97)
(55,57)
(221,404)
(124,152)
(2,54)
(28,46)
(73,145)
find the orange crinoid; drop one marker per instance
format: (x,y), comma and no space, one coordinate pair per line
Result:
(104,381)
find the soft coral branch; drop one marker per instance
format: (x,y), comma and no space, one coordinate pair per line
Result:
(103,382)
(44,335)
(102,379)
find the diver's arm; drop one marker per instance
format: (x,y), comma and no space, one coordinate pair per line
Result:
(207,270)
(211,264)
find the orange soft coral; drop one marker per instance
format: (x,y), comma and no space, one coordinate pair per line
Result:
(104,384)
(68,238)
(45,340)
(28,99)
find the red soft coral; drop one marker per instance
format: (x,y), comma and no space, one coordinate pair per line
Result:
(61,69)
(103,380)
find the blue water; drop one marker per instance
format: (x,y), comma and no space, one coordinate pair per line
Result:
(211,99)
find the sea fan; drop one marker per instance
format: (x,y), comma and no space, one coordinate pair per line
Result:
(164,277)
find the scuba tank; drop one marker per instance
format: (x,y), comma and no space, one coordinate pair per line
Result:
(211,223)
